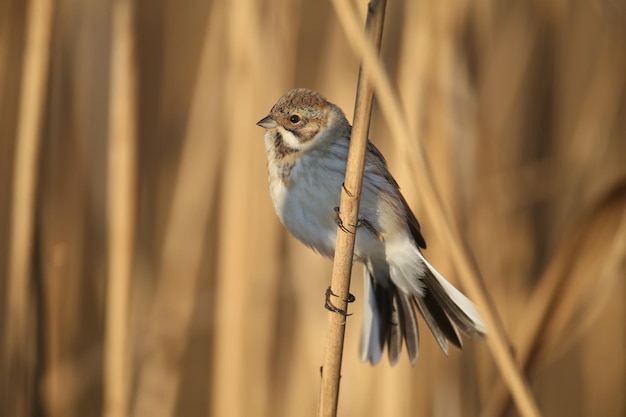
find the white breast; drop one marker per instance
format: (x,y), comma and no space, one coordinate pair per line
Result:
(305,202)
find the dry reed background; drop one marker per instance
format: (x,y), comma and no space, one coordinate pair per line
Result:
(521,108)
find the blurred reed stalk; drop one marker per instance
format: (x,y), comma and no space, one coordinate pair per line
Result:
(396,120)
(349,205)
(20,339)
(183,248)
(249,286)
(596,241)
(121,197)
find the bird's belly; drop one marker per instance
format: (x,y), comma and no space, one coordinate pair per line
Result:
(307,209)
(308,212)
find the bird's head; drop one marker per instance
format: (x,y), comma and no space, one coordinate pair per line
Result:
(302,119)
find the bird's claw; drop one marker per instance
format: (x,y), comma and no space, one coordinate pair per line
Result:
(347,191)
(361,222)
(329,306)
(340,222)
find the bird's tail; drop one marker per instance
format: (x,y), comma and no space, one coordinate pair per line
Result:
(389,316)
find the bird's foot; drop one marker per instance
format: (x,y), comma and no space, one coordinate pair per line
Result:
(329,306)
(340,222)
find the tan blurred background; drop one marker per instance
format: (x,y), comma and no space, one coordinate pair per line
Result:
(520,106)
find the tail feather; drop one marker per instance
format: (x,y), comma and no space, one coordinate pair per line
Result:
(408,324)
(438,322)
(457,307)
(395,331)
(372,339)
(390,315)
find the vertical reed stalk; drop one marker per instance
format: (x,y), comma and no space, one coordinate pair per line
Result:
(349,205)
(121,209)
(183,247)
(19,343)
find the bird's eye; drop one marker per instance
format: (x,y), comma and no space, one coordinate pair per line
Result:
(294,119)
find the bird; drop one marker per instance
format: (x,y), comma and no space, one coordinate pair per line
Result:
(306,143)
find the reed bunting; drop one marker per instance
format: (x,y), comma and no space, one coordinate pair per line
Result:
(306,142)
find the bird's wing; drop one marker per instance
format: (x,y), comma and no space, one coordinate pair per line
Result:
(380,164)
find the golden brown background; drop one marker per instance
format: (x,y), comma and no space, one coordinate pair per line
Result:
(520,106)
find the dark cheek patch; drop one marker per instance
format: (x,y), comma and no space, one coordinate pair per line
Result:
(306,133)
(281,148)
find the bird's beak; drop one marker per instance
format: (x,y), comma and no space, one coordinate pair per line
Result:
(267,122)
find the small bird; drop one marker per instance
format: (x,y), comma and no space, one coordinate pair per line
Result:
(306,142)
